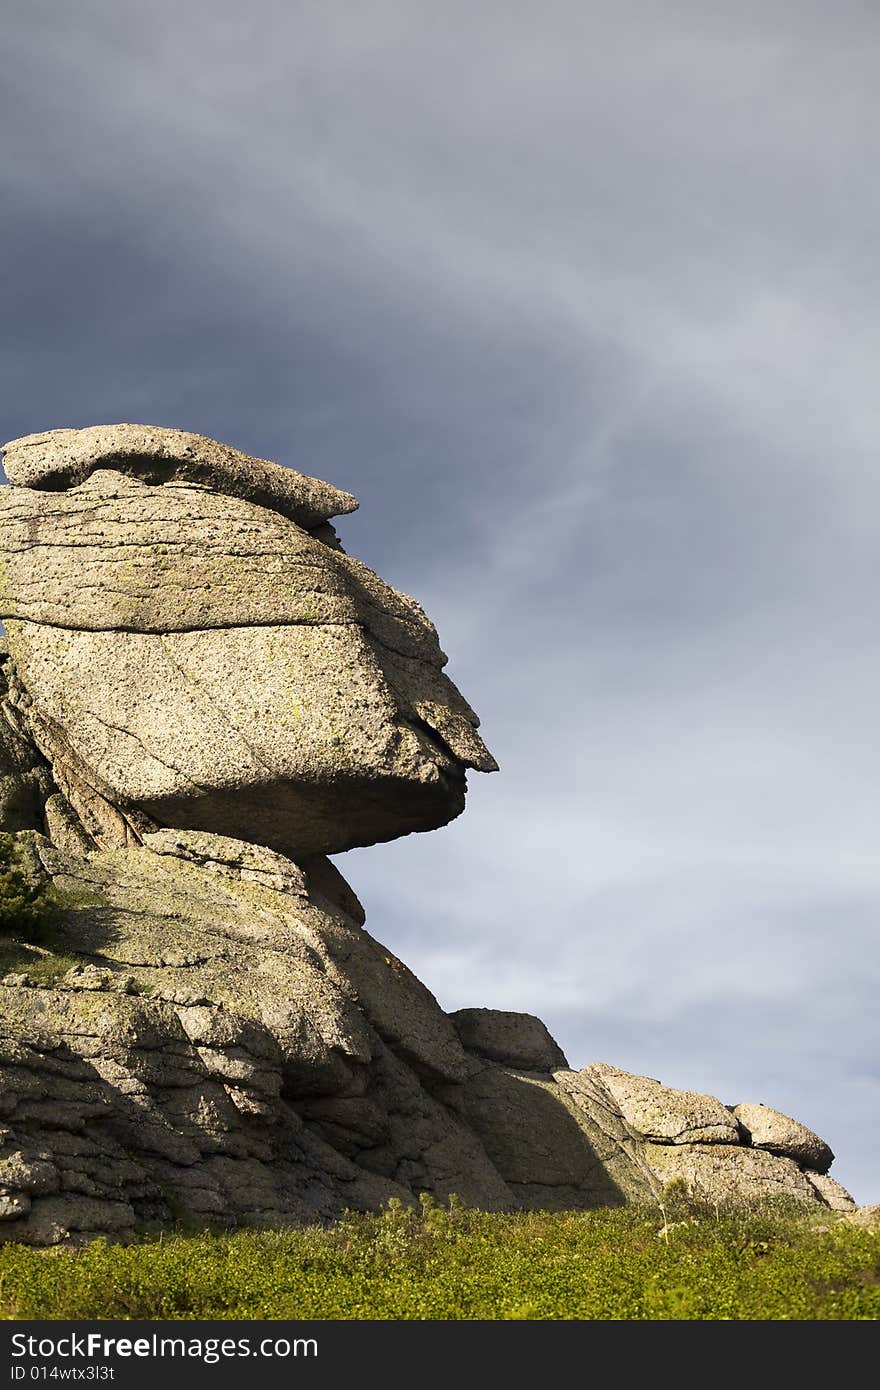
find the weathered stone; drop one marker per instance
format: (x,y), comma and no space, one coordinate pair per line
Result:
(866,1217)
(14,1205)
(618,1148)
(202,694)
(430,1146)
(117,554)
(721,1172)
(514,1040)
(52,1220)
(295,698)
(61,459)
(25,780)
(831,1192)
(297,1000)
(232,858)
(277,1064)
(663,1114)
(63,826)
(544,1147)
(770,1129)
(349,1123)
(28,1173)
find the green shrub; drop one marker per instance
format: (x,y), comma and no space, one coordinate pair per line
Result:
(28,902)
(770,1263)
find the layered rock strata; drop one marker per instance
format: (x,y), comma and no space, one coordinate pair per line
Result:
(203,696)
(196,650)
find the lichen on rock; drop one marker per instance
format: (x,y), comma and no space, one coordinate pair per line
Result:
(203,696)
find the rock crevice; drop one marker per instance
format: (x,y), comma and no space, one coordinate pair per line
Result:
(203,696)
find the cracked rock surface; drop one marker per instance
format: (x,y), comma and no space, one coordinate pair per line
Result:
(222,1042)
(204,695)
(194,649)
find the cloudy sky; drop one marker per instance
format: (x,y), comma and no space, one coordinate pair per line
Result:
(580,298)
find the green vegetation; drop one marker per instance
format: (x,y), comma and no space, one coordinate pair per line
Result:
(33,911)
(448,1263)
(28,902)
(41,966)
(31,916)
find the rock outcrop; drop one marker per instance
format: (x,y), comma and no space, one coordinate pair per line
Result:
(196,650)
(768,1129)
(202,697)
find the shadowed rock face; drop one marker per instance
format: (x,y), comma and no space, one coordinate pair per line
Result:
(203,694)
(198,651)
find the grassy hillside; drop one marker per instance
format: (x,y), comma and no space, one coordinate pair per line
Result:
(449,1263)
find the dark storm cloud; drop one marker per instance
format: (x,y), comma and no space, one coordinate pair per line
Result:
(581,300)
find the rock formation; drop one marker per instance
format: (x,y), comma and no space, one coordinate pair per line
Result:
(203,696)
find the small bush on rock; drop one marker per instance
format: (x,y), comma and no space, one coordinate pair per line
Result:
(28,902)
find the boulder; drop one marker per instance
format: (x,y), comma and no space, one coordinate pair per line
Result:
(514,1040)
(189,654)
(664,1115)
(202,696)
(61,459)
(769,1129)
(245,1053)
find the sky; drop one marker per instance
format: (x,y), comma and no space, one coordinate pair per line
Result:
(580,298)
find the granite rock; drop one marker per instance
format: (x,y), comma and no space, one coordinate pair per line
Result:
(765,1128)
(720,1172)
(513,1040)
(832,1193)
(189,654)
(202,696)
(61,459)
(664,1115)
